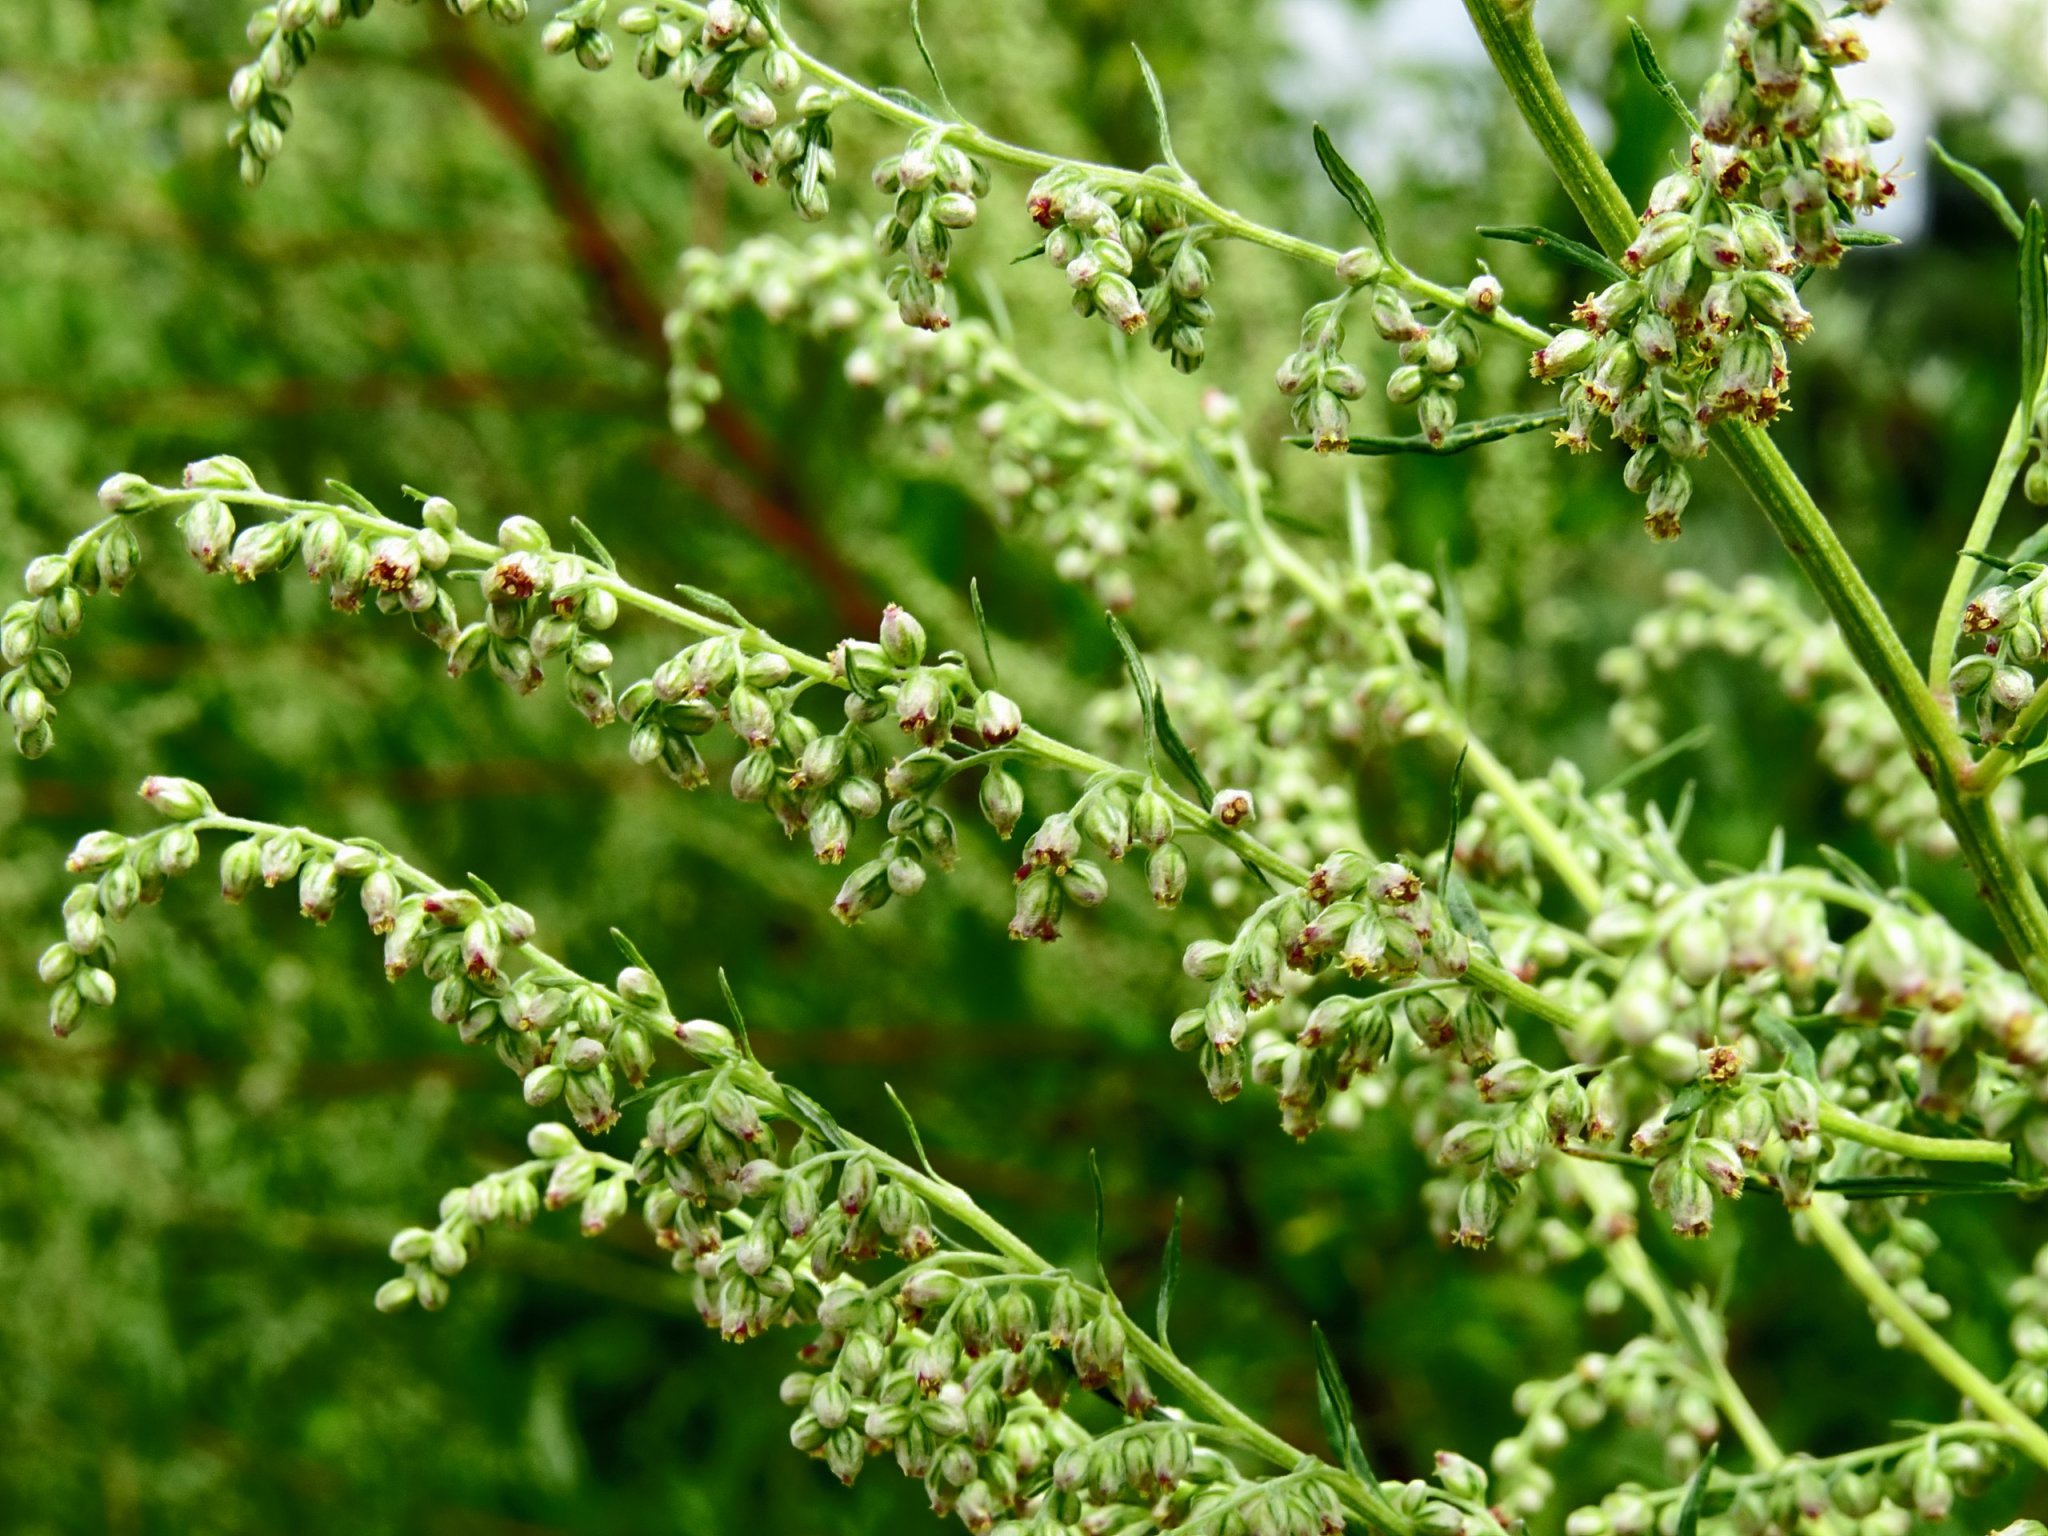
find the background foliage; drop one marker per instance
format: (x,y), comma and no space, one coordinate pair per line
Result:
(456,280)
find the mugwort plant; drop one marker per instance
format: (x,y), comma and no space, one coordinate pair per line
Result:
(1584,1027)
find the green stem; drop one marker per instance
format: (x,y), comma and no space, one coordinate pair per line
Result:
(1632,1266)
(1507,29)
(1997,490)
(1184,191)
(1849,1256)
(1928,1149)
(1544,833)
(1160,1363)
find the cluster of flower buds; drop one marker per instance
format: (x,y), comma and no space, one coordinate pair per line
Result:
(1694,330)
(938,189)
(1651,1383)
(1758,619)
(577,30)
(1090,478)
(104,558)
(2027,1383)
(1374,921)
(1109,817)
(562,1172)
(536,607)
(1887,1491)
(1433,357)
(120,872)
(1319,384)
(1974,1038)
(284,36)
(1995,678)
(730,71)
(1791,136)
(1097,236)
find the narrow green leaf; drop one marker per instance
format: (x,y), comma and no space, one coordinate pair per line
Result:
(1169,1277)
(478,884)
(1353,190)
(630,950)
(988,652)
(1033,254)
(714,605)
(924,52)
(1691,741)
(1653,71)
(598,552)
(2033,305)
(1457,900)
(1695,1491)
(1985,557)
(910,1125)
(1177,751)
(815,1116)
(1456,647)
(1141,682)
(895,95)
(1340,1424)
(1793,1047)
(1865,237)
(1849,870)
(354,498)
(1687,1102)
(1983,186)
(1539,238)
(1471,434)
(1158,107)
(739,1020)
(1095,1177)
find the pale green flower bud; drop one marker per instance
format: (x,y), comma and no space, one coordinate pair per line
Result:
(178,799)
(127,493)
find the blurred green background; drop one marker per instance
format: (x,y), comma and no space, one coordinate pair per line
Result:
(454,279)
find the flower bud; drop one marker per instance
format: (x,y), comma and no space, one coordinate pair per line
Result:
(902,637)
(1233,807)
(178,799)
(997,719)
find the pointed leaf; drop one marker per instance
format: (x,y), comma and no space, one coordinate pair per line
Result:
(477,884)
(1141,683)
(2033,306)
(815,1116)
(1865,237)
(1333,1399)
(630,950)
(354,498)
(924,52)
(1033,254)
(714,605)
(1095,1177)
(1456,650)
(1691,741)
(1169,1277)
(1158,107)
(896,96)
(1793,1047)
(910,1125)
(1653,71)
(1354,190)
(1457,900)
(988,652)
(1695,1491)
(1471,434)
(598,552)
(1982,185)
(739,1021)
(1539,238)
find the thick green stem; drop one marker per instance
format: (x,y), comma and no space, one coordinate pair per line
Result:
(1849,1256)
(1507,28)
(1928,1149)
